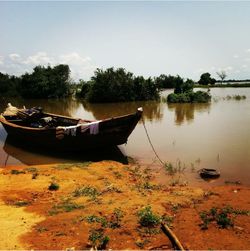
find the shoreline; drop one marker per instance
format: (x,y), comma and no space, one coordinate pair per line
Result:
(94,200)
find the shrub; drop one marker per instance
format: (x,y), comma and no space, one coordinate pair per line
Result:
(53,186)
(118,85)
(189,97)
(147,218)
(98,239)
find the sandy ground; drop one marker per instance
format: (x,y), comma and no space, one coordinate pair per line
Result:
(94,200)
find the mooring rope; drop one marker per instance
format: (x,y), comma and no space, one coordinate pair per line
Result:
(150,142)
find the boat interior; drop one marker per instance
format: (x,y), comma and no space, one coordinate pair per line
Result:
(36,118)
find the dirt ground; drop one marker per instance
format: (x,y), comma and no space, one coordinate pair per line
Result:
(78,206)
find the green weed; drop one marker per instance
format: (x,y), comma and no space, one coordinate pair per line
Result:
(147,218)
(98,239)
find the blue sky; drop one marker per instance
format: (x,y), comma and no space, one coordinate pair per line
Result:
(147,38)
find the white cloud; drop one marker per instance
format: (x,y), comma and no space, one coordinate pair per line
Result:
(244,66)
(81,67)
(236,56)
(74,58)
(15,57)
(40,58)
(248,50)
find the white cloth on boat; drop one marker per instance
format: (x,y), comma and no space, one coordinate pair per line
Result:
(92,126)
(71,130)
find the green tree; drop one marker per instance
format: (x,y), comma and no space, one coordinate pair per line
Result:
(205,79)
(8,85)
(46,82)
(118,85)
(182,86)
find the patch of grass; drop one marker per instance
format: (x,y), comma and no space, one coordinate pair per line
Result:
(88,191)
(116,218)
(83,165)
(147,218)
(98,239)
(63,167)
(147,186)
(31,169)
(111,188)
(41,229)
(178,182)
(53,186)
(16,172)
(175,207)
(172,169)
(69,167)
(168,220)
(117,174)
(224,217)
(141,243)
(65,206)
(97,219)
(21,203)
(112,221)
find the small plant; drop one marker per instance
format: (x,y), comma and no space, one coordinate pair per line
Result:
(168,220)
(147,218)
(116,218)
(41,229)
(94,219)
(21,203)
(53,186)
(65,206)
(141,243)
(89,191)
(31,169)
(117,174)
(16,172)
(173,169)
(98,239)
(222,216)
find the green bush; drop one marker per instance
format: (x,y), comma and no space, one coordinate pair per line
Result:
(189,97)
(118,86)
(147,218)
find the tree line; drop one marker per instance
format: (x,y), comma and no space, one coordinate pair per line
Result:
(110,85)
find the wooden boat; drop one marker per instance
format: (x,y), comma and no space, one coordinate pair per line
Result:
(42,129)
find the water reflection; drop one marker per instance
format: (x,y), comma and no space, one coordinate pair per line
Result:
(29,155)
(152,110)
(185,112)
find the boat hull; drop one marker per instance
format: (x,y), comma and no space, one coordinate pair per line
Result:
(112,132)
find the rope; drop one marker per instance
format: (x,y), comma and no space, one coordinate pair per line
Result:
(151,144)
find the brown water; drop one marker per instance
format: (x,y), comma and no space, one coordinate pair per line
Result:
(215,135)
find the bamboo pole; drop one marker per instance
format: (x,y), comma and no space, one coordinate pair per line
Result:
(170,234)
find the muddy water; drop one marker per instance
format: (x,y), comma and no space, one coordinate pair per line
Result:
(215,135)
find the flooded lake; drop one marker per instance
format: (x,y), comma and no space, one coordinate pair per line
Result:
(215,135)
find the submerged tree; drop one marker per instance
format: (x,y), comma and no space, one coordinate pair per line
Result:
(222,75)
(118,85)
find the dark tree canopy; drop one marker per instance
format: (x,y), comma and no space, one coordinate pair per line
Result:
(205,79)
(46,82)
(8,85)
(118,85)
